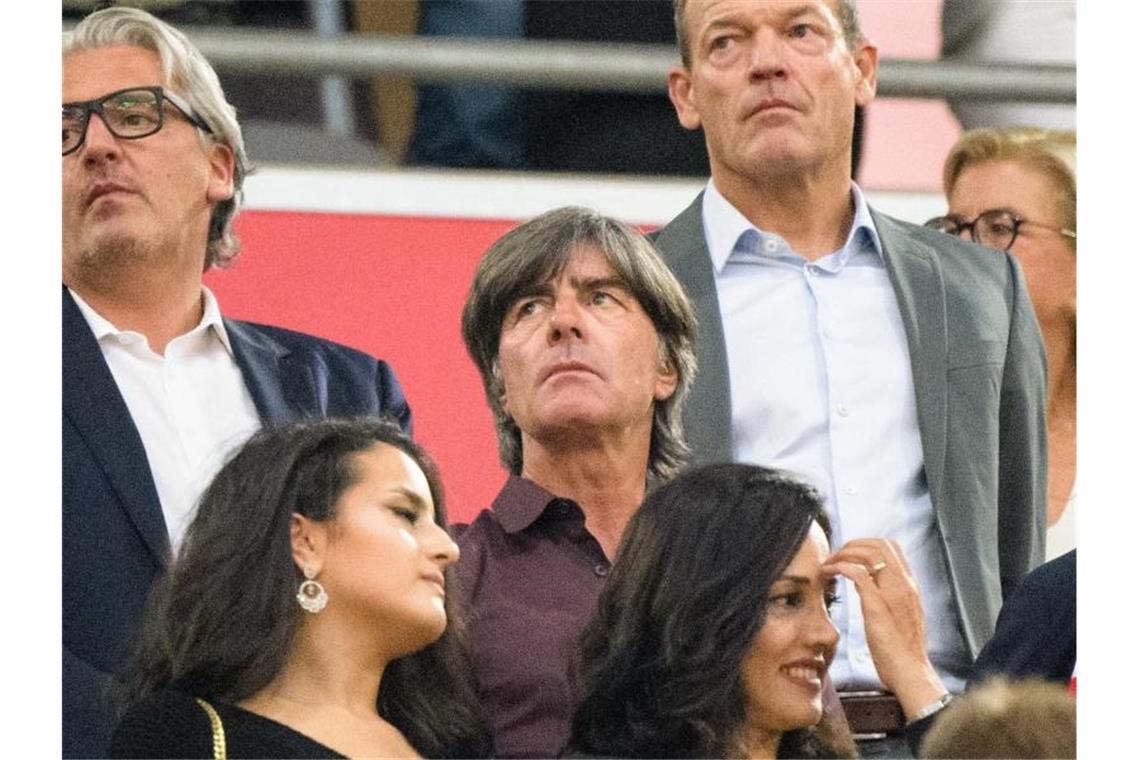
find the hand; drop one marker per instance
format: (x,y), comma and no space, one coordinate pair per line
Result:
(892,618)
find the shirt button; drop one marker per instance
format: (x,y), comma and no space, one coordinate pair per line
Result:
(841,410)
(861,656)
(771,245)
(849,490)
(601,570)
(813,269)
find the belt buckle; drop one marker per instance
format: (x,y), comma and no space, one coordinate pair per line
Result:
(877,713)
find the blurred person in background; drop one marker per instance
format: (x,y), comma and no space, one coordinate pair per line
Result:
(1015,190)
(994,32)
(584,130)
(469,125)
(1006,719)
(307,613)
(157,385)
(713,634)
(900,371)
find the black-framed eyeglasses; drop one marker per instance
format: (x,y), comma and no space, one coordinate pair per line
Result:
(996,228)
(129,114)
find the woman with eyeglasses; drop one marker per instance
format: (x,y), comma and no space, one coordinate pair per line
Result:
(712,636)
(1016,190)
(308,612)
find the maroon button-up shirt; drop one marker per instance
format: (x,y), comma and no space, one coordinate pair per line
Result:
(531,575)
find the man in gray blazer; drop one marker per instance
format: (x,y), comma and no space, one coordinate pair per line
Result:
(899,369)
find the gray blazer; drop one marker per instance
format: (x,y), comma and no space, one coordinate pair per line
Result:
(979,375)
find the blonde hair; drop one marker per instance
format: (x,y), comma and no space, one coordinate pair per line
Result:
(1051,152)
(1003,718)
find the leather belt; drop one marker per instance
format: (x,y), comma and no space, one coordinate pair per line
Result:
(872,714)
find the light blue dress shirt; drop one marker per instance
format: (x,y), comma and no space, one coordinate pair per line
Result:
(821,385)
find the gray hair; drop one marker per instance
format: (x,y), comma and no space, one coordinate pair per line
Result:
(844,9)
(186,70)
(534,252)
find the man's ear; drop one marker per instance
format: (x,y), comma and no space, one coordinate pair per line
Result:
(681,93)
(866,59)
(497,374)
(309,539)
(222,164)
(666,381)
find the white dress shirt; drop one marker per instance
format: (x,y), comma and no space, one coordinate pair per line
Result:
(190,406)
(821,385)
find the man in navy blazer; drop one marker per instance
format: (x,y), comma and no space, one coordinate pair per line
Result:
(157,386)
(900,370)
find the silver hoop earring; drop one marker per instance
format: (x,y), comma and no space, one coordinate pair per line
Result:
(311,595)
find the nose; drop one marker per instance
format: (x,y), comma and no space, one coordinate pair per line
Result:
(766,56)
(823,634)
(565,321)
(98,144)
(443,550)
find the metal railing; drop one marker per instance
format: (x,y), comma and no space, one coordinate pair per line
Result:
(583,65)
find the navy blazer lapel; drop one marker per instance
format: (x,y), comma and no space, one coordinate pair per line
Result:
(93,403)
(916,276)
(708,411)
(282,389)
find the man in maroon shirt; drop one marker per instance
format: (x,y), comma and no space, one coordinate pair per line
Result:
(585,343)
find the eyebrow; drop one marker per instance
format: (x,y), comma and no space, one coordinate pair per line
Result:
(596,283)
(1006,209)
(543,288)
(801,10)
(578,283)
(799,580)
(734,19)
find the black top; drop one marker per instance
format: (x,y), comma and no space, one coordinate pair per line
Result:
(170,724)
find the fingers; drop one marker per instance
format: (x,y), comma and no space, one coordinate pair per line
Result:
(870,596)
(891,590)
(883,558)
(873,552)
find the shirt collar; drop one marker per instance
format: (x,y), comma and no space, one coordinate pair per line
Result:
(863,232)
(521,503)
(211,319)
(725,226)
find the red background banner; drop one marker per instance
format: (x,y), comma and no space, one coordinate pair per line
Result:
(393,286)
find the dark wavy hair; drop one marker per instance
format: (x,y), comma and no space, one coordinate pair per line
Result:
(221,622)
(659,666)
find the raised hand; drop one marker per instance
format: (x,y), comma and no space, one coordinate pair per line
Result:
(892,617)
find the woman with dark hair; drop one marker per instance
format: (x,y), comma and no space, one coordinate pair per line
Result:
(305,615)
(712,637)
